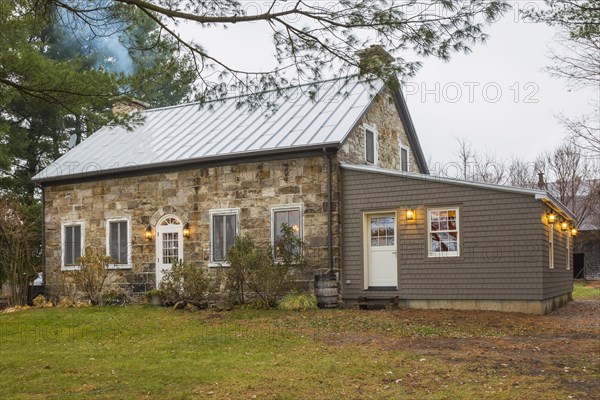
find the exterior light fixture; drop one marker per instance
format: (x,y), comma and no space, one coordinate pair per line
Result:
(410,214)
(574,231)
(148,233)
(186,230)
(564,225)
(551,216)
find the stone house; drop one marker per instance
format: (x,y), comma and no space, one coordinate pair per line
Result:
(340,163)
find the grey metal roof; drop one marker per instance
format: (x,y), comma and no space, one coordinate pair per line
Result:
(184,133)
(536,193)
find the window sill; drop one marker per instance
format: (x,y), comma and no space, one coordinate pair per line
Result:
(119,266)
(223,264)
(442,255)
(70,268)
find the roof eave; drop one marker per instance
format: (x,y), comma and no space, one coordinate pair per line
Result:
(189,162)
(410,130)
(538,194)
(554,203)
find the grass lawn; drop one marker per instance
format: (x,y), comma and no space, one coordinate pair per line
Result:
(586,290)
(140,352)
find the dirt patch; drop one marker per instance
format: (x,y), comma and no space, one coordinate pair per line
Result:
(563,345)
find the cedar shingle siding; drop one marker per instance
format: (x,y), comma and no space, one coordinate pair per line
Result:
(503,242)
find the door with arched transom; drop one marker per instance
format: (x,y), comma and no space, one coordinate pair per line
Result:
(169,244)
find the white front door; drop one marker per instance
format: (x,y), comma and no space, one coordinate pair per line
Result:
(169,245)
(381,268)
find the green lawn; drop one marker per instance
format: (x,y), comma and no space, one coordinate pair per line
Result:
(140,352)
(586,290)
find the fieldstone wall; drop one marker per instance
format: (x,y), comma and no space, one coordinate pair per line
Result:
(191,194)
(390,134)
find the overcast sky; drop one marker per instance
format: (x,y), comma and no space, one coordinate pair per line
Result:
(498,97)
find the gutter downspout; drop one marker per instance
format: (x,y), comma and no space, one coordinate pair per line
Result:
(329,213)
(43,234)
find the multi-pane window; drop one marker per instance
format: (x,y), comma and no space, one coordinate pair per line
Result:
(382,231)
(118,242)
(443,230)
(370,143)
(224,231)
(290,217)
(404,159)
(72,244)
(170,247)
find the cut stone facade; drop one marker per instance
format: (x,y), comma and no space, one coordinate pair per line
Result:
(384,118)
(190,195)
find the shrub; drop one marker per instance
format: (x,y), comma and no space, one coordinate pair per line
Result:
(91,275)
(117,297)
(186,282)
(253,267)
(41,302)
(298,302)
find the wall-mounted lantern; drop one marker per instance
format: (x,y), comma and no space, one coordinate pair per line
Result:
(574,231)
(564,225)
(186,230)
(410,214)
(148,233)
(551,216)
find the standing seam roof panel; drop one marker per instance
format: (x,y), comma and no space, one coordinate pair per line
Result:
(219,129)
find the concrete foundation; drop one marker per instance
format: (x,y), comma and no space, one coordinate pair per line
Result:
(540,307)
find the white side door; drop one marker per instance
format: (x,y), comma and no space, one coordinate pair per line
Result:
(381,258)
(169,245)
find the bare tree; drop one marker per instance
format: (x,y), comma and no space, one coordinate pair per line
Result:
(522,173)
(18,260)
(584,131)
(576,59)
(465,156)
(576,180)
(488,169)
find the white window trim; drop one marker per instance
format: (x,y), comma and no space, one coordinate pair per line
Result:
(222,211)
(551,246)
(63,225)
(365,234)
(286,207)
(448,254)
(407,157)
(373,129)
(568,250)
(129,264)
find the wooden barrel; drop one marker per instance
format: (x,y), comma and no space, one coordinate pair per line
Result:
(326,290)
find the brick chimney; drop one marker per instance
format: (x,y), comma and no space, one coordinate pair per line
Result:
(374,59)
(541,182)
(124,108)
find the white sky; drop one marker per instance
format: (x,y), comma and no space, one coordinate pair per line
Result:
(498,97)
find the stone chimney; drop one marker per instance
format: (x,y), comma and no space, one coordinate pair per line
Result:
(124,108)
(541,182)
(374,59)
